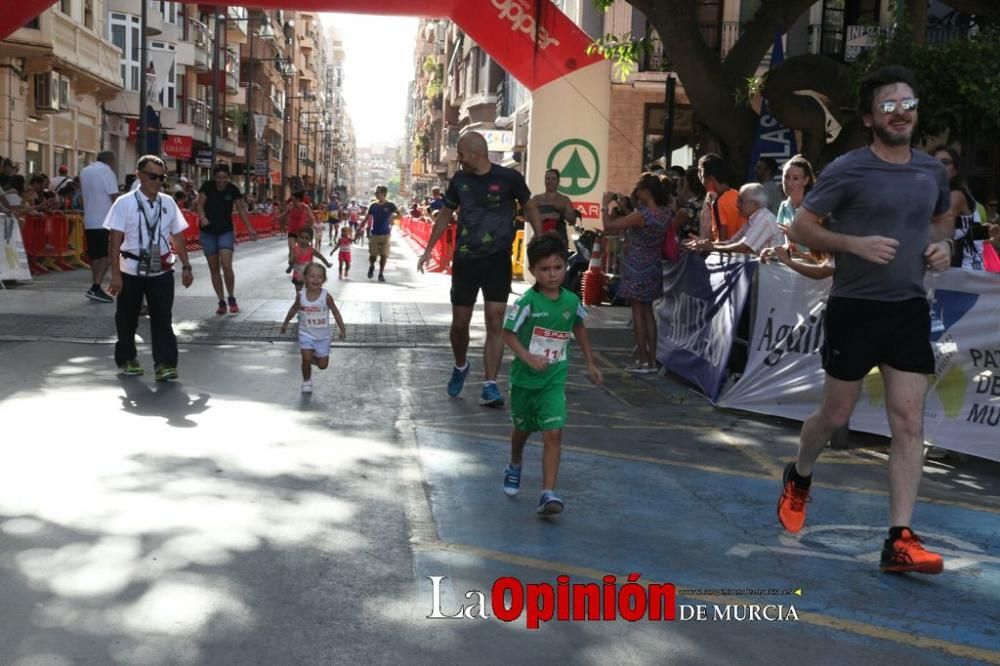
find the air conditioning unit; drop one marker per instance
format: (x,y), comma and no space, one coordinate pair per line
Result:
(47,92)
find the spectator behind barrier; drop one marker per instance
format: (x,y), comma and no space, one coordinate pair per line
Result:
(760,232)
(721,218)
(687,203)
(766,170)
(967,250)
(642,266)
(797,178)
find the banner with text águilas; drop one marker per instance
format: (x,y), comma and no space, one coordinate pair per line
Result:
(784,377)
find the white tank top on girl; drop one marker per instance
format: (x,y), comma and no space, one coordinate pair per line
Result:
(314,316)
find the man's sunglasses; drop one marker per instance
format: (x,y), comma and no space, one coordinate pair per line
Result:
(154,176)
(890,106)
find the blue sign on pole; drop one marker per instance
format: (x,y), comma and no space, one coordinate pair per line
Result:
(771,138)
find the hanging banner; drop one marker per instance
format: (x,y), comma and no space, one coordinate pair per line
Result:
(771,138)
(259,125)
(703,298)
(13,258)
(784,377)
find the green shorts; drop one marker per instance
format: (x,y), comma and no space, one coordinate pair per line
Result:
(534,410)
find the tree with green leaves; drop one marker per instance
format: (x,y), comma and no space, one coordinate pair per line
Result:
(717,87)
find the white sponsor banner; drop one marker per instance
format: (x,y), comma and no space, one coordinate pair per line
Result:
(13,259)
(783,376)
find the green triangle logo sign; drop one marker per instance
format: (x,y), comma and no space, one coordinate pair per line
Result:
(578,164)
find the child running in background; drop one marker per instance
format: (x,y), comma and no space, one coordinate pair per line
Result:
(537,330)
(302,254)
(319,226)
(314,305)
(344,244)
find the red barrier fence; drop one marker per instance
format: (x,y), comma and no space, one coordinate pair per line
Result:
(418,232)
(47,237)
(46,242)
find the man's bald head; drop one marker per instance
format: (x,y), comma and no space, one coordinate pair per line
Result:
(473,154)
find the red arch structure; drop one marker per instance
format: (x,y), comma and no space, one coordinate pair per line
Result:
(506,29)
(532,39)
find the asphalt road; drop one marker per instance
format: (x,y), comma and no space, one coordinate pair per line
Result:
(227,519)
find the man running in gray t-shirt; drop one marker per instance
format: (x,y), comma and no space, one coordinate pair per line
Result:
(887,206)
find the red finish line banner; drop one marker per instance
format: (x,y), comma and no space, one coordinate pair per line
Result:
(531,39)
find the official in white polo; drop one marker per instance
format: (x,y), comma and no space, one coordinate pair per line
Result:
(143,223)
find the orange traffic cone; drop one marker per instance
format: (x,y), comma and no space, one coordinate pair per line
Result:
(594,280)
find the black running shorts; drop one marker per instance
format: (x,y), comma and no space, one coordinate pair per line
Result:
(97,243)
(862,334)
(492,274)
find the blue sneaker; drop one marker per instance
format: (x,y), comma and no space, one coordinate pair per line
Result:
(549,504)
(457,380)
(512,480)
(490,396)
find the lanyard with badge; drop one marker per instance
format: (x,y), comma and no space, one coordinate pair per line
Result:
(150,260)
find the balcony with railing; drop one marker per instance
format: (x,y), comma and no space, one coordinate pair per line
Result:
(236,25)
(449,144)
(201,37)
(227,139)
(232,64)
(196,114)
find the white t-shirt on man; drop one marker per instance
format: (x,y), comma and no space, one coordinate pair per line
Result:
(134,214)
(98,184)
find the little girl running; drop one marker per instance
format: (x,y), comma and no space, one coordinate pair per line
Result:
(314,305)
(302,254)
(344,244)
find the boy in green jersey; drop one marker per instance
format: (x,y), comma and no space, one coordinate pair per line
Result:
(537,330)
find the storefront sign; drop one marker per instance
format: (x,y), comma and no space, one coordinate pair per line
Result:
(179,147)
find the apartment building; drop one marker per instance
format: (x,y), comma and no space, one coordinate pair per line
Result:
(55,73)
(457,87)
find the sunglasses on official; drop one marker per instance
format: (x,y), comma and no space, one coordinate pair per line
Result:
(154,176)
(890,106)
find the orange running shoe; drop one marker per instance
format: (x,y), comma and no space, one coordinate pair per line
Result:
(792,505)
(907,553)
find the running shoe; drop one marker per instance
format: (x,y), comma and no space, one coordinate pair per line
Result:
(381,278)
(549,504)
(307,386)
(457,380)
(221,309)
(99,295)
(165,372)
(907,553)
(130,368)
(233,307)
(490,396)
(512,480)
(792,505)
(636,368)
(371,272)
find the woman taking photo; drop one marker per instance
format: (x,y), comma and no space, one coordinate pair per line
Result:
(642,269)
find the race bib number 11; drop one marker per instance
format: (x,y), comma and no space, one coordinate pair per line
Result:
(550,344)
